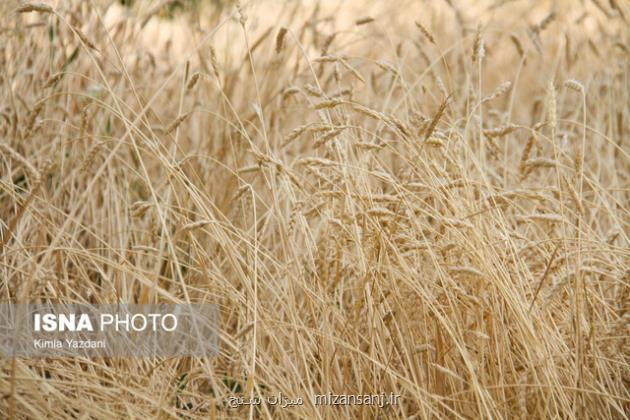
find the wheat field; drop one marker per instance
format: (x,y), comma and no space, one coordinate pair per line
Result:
(428,199)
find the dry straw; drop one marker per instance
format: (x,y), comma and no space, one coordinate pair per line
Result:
(364,20)
(192,81)
(501,90)
(53,80)
(479,49)
(84,39)
(176,122)
(337,190)
(425,32)
(280,39)
(35,7)
(517,44)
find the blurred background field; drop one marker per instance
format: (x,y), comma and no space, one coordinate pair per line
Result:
(428,198)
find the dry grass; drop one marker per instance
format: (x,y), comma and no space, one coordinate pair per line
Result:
(370,202)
